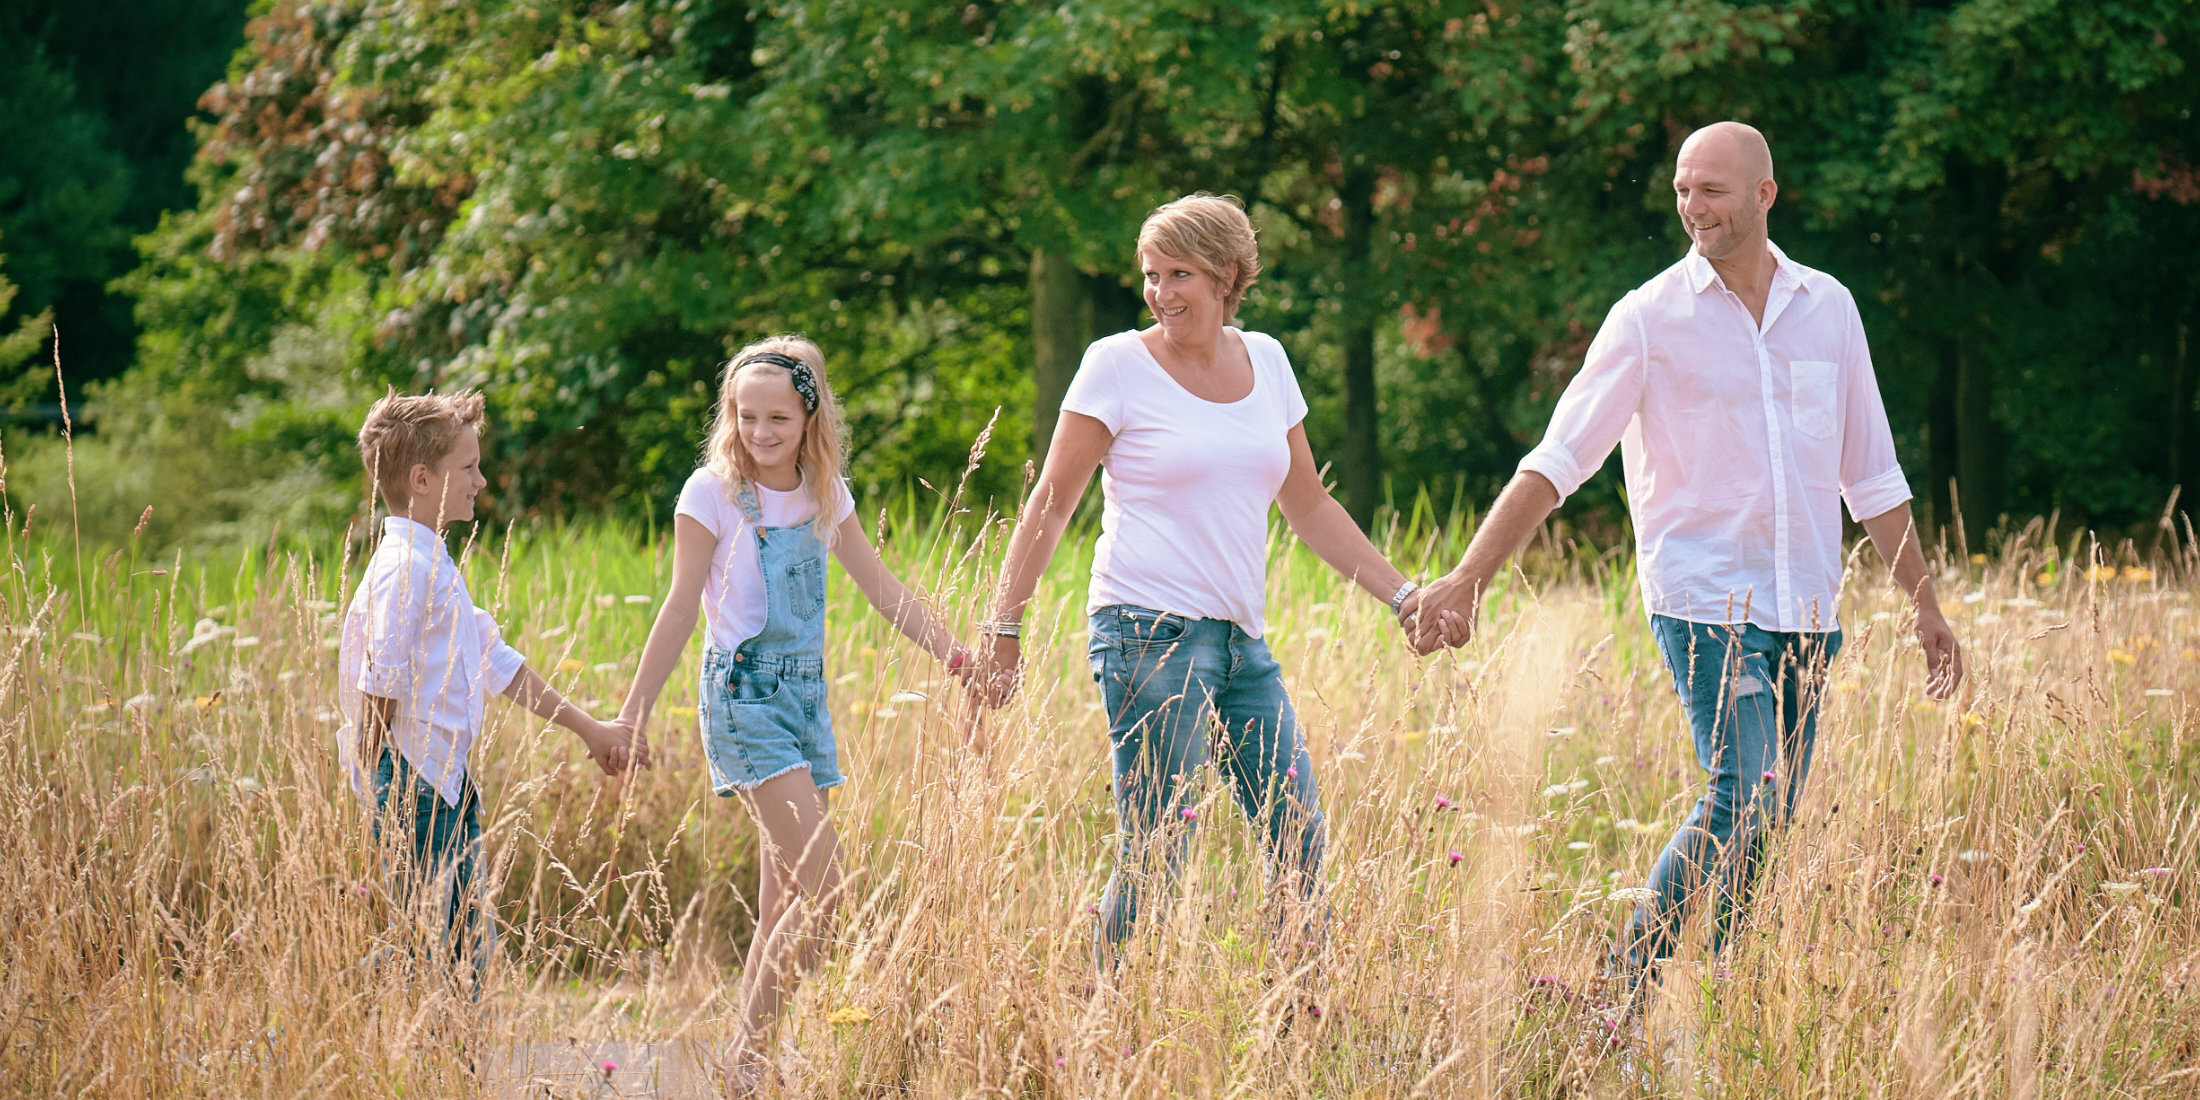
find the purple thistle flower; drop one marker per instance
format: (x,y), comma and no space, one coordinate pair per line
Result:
(1060,1061)
(1455,857)
(1935,880)
(2152,871)
(1443,803)
(1189,813)
(1291,772)
(610,1067)
(1769,777)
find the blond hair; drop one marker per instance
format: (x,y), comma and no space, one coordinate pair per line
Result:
(818,458)
(403,431)
(1212,232)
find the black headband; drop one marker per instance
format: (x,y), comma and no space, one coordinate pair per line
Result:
(798,372)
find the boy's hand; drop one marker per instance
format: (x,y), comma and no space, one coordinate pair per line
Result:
(633,744)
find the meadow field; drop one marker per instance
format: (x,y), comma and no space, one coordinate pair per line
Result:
(1991,897)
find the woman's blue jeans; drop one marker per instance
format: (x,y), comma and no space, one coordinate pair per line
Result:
(1169,685)
(1752,699)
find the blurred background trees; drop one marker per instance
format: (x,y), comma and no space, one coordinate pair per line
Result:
(583,208)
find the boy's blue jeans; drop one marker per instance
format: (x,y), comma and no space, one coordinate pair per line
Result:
(1752,698)
(1166,681)
(442,855)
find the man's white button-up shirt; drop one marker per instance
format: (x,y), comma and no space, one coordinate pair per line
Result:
(1739,441)
(413,635)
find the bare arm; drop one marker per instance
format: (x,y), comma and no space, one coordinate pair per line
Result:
(607,744)
(901,604)
(1326,529)
(1451,604)
(692,549)
(1894,535)
(1080,442)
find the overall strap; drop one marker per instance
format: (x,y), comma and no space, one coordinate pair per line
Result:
(746,498)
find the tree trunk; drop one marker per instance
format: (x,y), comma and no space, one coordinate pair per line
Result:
(2179,369)
(1978,445)
(1363,460)
(1940,443)
(1061,326)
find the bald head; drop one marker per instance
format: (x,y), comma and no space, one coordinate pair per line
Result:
(1734,144)
(1722,187)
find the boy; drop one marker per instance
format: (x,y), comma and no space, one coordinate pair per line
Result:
(418,661)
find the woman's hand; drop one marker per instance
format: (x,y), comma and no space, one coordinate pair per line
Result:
(999,670)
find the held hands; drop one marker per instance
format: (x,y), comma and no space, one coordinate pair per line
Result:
(994,675)
(615,746)
(1442,612)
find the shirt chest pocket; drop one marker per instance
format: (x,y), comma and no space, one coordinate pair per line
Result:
(1816,397)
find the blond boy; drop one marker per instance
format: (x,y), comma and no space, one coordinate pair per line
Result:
(418,661)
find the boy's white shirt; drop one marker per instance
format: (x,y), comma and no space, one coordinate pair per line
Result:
(413,635)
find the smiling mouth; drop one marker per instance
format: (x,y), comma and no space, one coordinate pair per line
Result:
(1177,312)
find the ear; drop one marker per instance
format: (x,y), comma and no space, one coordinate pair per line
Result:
(420,482)
(1767,190)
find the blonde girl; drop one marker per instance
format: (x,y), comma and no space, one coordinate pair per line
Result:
(750,535)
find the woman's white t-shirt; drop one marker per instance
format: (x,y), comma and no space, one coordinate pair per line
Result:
(733,593)
(1187,482)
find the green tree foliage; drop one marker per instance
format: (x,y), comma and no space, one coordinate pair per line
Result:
(584,207)
(94,95)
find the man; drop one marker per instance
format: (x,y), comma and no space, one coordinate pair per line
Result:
(1740,389)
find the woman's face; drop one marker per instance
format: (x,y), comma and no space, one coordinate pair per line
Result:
(1185,300)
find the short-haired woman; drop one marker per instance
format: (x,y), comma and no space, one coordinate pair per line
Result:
(1198,426)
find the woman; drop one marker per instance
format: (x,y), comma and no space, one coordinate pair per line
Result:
(1198,426)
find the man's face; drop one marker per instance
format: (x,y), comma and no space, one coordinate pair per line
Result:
(1722,203)
(456,480)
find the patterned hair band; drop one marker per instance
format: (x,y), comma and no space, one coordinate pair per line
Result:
(798,372)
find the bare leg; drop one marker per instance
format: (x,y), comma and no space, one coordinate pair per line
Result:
(802,867)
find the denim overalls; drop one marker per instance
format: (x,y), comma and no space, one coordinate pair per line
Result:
(762,706)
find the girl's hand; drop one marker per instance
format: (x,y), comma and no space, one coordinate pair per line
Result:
(1000,667)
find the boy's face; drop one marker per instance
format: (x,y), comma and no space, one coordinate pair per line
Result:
(445,491)
(772,417)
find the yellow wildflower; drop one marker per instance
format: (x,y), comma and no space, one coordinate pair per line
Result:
(2121,657)
(2138,574)
(1978,559)
(850,1015)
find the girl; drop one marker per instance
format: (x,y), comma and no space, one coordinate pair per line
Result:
(749,541)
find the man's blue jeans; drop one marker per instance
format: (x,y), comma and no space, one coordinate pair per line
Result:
(1166,681)
(1752,699)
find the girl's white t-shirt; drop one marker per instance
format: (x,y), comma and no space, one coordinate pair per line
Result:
(1187,482)
(733,593)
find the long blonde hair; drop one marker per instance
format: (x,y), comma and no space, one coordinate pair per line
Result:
(820,455)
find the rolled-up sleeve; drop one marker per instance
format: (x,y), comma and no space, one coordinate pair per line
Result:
(397,608)
(499,661)
(1872,482)
(1598,404)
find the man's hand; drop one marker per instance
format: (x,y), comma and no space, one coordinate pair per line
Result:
(1943,657)
(1448,606)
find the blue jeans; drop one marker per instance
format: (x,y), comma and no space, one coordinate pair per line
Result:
(437,867)
(1752,698)
(1167,681)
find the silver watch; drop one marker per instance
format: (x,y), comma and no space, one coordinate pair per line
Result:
(1398,599)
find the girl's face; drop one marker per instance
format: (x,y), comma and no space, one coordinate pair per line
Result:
(1185,300)
(771,419)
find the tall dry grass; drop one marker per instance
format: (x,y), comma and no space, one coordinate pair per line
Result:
(1991,897)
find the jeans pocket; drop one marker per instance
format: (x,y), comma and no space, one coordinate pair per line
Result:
(1139,630)
(807,597)
(750,685)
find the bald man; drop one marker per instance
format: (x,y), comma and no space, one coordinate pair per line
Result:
(1739,388)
